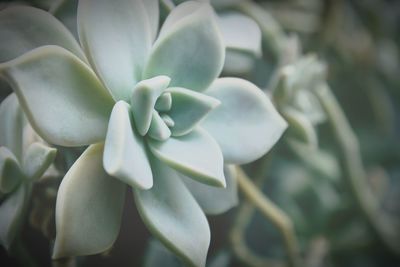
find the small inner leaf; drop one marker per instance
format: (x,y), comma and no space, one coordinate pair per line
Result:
(143,100)
(158,128)
(168,120)
(188,109)
(164,102)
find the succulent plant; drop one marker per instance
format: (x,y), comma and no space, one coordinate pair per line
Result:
(151,108)
(295,97)
(24,158)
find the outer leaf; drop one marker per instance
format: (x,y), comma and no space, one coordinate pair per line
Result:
(24,28)
(195,154)
(214,200)
(189,49)
(188,109)
(172,215)
(66,12)
(116,36)
(124,153)
(60,95)
(158,255)
(153,15)
(89,207)
(12,211)
(144,98)
(240,33)
(246,124)
(10,171)
(11,125)
(37,160)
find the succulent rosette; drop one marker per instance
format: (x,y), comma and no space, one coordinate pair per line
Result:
(24,158)
(151,108)
(295,98)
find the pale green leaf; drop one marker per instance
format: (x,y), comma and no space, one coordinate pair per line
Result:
(300,127)
(143,100)
(215,200)
(37,160)
(125,154)
(11,125)
(188,109)
(173,216)
(164,102)
(246,124)
(196,155)
(24,28)
(116,36)
(240,33)
(89,207)
(10,171)
(189,48)
(158,128)
(66,12)
(64,101)
(153,16)
(158,255)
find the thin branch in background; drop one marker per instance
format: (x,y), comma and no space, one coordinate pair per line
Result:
(275,215)
(383,227)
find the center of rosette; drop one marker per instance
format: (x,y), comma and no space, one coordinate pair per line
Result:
(149,104)
(160,111)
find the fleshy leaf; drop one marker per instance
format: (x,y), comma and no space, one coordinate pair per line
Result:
(143,100)
(158,255)
(246,124)
(60,95)
(308,104)
(24,28)
(89,207)
(172,215)
(66,12)
(189,48)
(188,109)
(168,120)
(124,153)
(214,200)
(164,102)
(10,171)
(12,211)
(152,9)
(11,125)
(300,127)
(37,160)
(158,128)
(116,36)
(240,33)
(196,155)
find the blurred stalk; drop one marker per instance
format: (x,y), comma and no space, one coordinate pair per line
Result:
(272,213)
(356,177)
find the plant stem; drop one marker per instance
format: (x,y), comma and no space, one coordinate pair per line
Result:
(355,174)
(270,211)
